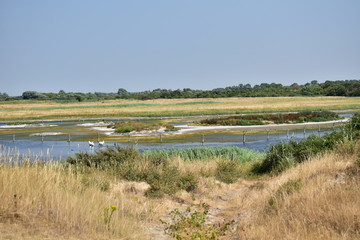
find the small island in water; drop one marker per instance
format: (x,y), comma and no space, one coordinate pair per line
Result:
(265,119)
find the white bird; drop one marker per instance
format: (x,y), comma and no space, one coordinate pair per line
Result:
(101,143)
(91,144)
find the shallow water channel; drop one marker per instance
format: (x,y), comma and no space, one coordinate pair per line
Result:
(56,140)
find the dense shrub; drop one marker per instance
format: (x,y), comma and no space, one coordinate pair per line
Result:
(110,158)
(352,129)
(278,158)
(129,126)
(282,156)
(129,164)
(163,182)
(188,182)
(228,171)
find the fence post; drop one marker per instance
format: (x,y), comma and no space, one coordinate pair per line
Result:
(161,138)
(203,139)
(267,131)
(42,138)
(304,132)
(287,133)
(14,138)
(69,140)
(244,140)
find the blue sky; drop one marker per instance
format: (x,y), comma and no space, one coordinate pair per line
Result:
(88,45)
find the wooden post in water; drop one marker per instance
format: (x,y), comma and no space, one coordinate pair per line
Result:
(244,140)
(161,138)
(69,140)
(42,138)
(13,137)
(287,134)
(319,130)
(304,132)
(203,139)
(267,132)
(98,138)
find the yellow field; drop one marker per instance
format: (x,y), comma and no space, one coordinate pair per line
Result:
(171,107)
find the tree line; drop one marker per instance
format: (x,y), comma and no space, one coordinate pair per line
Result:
(349,88)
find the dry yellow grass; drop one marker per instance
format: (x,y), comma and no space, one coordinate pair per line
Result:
(48,201)
(171,107)
(325,207)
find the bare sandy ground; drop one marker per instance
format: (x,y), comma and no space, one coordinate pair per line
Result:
(189,128)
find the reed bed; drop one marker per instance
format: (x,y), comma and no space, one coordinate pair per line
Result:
(206,153)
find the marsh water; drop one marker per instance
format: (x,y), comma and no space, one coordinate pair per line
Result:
(60,150)
(57,140)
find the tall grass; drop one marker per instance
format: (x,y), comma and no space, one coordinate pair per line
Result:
(53,199)
(318,199)
(206,153)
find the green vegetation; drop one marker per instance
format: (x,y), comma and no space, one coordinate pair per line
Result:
(206,153)
(191,225)
(108,214)
(285,155)
(228,171)
(130,165)
(130,126)
(245,120)
(157,169)
(329,88)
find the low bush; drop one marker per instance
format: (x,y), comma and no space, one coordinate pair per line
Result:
(191,225)
(284,155)
(188,182)
(228,171)
(129,164)
(130,126)
(352,129)
(164,181)
(277,159)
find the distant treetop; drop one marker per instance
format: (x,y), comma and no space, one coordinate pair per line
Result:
(349,88)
